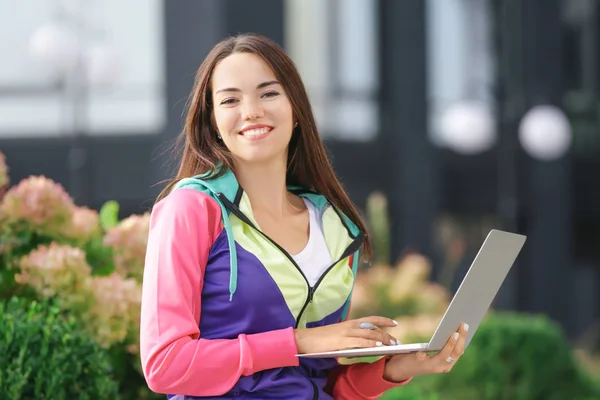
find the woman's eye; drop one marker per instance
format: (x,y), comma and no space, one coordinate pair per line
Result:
(228,101)
(270,94)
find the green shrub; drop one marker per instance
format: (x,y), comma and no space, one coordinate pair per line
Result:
(416,389)
(516,357)
(45,356)
(521,357)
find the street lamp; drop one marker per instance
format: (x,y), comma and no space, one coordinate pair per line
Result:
(55,46)
(545,133)
(59,48)
(468,127)
(102,65)
(79,65)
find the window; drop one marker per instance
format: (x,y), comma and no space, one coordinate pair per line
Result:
(582,46)
(335,47)
(32,104)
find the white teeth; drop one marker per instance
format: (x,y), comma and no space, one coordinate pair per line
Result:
(256,132)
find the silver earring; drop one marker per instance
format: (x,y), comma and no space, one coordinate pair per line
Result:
(219,136)
(296,124)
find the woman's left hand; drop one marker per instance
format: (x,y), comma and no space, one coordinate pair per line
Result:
(403,366)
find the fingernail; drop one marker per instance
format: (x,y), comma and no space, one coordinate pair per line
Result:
(455,335)
(366,325)
(379,344)
(393,342)
(395,322)
(466,327)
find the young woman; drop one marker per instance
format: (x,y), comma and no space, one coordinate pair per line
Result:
(253,250)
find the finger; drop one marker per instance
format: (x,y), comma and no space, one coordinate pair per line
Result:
(380,321)
(459,348)
(376,334)
(359,342)
(444,353)
(452,350)
(367,325)
(388,339)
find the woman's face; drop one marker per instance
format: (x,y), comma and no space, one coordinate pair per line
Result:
(252,112)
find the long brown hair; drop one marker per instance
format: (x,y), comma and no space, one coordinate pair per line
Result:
(308,163)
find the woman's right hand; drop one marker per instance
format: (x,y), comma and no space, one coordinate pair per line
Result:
(356,333)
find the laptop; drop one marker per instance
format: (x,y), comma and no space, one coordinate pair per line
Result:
(470,303)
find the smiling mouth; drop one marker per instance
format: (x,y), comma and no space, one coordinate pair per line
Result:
(258,133)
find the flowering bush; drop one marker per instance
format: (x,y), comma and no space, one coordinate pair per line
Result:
(56,271)
(108,305)
(128,241)
(84,225)
(88,262)
(114,312)
(40,204)
(403,292)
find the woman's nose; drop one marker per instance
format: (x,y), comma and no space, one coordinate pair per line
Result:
(252,109)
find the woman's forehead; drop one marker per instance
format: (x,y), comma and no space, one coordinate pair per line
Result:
(244,71)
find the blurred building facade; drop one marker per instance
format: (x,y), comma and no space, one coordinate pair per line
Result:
(381,75)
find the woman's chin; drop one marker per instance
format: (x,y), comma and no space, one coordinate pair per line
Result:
(261,157)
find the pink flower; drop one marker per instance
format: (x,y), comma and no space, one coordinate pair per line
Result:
(128,241)
(114,316)
(40,202)
(55,270)
(84,224)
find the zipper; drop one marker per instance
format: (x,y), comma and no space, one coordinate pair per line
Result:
(353,247)
(238,213)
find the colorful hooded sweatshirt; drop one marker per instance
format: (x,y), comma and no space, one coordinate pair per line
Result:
(221,300)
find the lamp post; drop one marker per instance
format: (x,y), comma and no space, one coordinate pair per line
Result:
(79,65)
(545,135)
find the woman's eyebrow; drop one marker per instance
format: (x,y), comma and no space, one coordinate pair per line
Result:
(260,86)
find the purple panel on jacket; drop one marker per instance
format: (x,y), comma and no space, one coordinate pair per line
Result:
(257,305)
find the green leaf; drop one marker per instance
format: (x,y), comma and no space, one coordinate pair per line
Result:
(109,214)
(99,257)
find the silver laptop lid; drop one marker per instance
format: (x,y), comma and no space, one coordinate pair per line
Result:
(479,286)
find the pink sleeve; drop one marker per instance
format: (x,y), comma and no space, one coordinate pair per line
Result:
(183,227)
(360,381)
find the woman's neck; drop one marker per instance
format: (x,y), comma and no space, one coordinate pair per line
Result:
(265,186)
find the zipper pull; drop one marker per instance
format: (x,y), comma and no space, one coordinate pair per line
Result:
(311,293)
